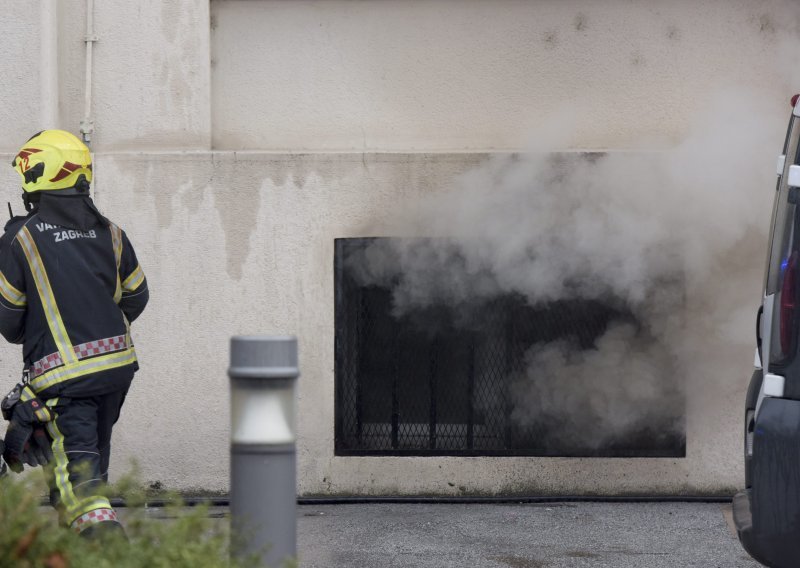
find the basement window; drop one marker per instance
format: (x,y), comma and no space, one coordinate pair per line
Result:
(494,376)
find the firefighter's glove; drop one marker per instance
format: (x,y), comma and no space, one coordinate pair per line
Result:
(25,437)
(38,450)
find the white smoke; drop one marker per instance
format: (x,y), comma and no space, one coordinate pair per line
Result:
(678,236)
(592,396)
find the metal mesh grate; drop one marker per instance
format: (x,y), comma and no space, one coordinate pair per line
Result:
(427,383)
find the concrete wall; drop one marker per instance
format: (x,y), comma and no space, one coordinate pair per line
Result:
(453,75)
(202,111)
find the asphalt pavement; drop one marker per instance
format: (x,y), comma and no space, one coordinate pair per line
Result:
(614,535)
(514,535)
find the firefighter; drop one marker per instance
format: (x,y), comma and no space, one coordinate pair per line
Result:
(70,285)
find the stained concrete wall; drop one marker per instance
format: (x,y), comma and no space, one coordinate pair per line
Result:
(243,242)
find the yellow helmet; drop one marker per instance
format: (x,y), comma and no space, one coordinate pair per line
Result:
(52,160)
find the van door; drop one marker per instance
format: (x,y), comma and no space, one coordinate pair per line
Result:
(781,309)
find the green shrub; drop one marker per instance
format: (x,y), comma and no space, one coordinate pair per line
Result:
(30,536)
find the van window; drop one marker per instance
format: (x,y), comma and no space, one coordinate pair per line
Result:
(783,213)
(783,268)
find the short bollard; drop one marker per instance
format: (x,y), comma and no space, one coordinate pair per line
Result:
(263,373)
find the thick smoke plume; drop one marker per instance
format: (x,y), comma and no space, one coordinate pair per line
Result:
(677,236)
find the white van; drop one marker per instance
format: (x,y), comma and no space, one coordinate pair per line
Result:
(767,512)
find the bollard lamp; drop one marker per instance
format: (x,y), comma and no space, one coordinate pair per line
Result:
(263,372)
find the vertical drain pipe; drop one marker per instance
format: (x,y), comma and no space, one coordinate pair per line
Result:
(87,124)
(48,73)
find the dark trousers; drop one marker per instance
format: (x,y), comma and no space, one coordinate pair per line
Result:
(81,442)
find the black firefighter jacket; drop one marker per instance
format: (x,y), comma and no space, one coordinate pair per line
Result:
(68,296)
